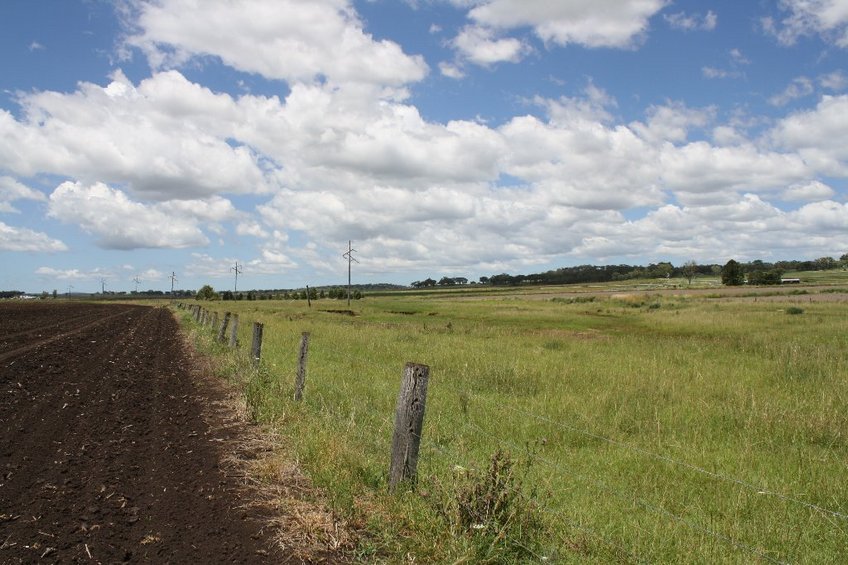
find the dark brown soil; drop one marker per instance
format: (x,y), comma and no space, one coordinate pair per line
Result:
(107,453)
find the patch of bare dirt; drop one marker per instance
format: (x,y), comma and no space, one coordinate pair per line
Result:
(112,450)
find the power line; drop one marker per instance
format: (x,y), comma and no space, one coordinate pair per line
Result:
(350,259)
(237,270)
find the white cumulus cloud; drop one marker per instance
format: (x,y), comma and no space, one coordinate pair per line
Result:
(24,239)
(120,223)
(290,40)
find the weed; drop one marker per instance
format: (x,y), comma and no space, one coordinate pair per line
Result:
(495,511)
(794,310)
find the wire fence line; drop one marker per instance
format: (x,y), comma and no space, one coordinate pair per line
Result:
(636,449)
(659,510)
(383,425)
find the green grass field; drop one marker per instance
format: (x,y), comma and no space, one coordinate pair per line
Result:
(691,428)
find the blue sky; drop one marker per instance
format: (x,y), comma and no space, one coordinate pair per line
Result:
(443,137)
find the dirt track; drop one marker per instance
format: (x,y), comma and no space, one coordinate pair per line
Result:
(105,451)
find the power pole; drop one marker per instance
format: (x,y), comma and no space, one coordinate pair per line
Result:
(236,270)
(350,259)
(173,278)
(70,288)
(102,286)
(136,279)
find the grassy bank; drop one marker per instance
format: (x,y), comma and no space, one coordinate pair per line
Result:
(638,427)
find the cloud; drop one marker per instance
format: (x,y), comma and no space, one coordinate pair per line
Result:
(699,167)
(288,40)
(24,239)
(451,70)
(798,88)
(67,274)
(818,136)
(672,122)
(589,23)
(825,18)
(36,46)
(836,81)
(807,191)
(713,72)
(11,190)
(120,223)
(166,138)
(480,46)
(738,58)
(692,22)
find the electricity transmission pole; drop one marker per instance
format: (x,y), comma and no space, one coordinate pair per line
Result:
(136,279)
(350,259)
(102,286)
(236,270)
(173,278)
(70,288)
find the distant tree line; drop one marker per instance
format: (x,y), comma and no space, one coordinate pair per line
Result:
(206,292)
(754,272)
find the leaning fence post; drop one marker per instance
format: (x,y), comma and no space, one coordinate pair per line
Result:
(301,367)
(214,321)
(222,332)
(256,346)
(234,331)
(409,421)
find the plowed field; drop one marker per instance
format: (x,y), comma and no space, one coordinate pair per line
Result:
(107,453)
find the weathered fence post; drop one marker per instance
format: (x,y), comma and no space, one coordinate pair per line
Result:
(203,314)
(214,321)
(301,367)
(222,332)
(234,331)
(256,346)
(409,421)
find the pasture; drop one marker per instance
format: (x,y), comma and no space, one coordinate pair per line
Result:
(589,424)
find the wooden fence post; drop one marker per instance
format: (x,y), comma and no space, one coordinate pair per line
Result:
(301,367)
(203,314)
(409,422)
(234,331)
(256,346)
(222,331)
(214,321)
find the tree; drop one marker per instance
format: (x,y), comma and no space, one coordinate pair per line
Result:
(689,270)
(206,292)
(826,263)
(732,274)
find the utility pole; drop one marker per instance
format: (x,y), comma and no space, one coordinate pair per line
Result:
(70,288)
(136,279)
(102,285)
(236,270)
(350,259)
(173,278)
